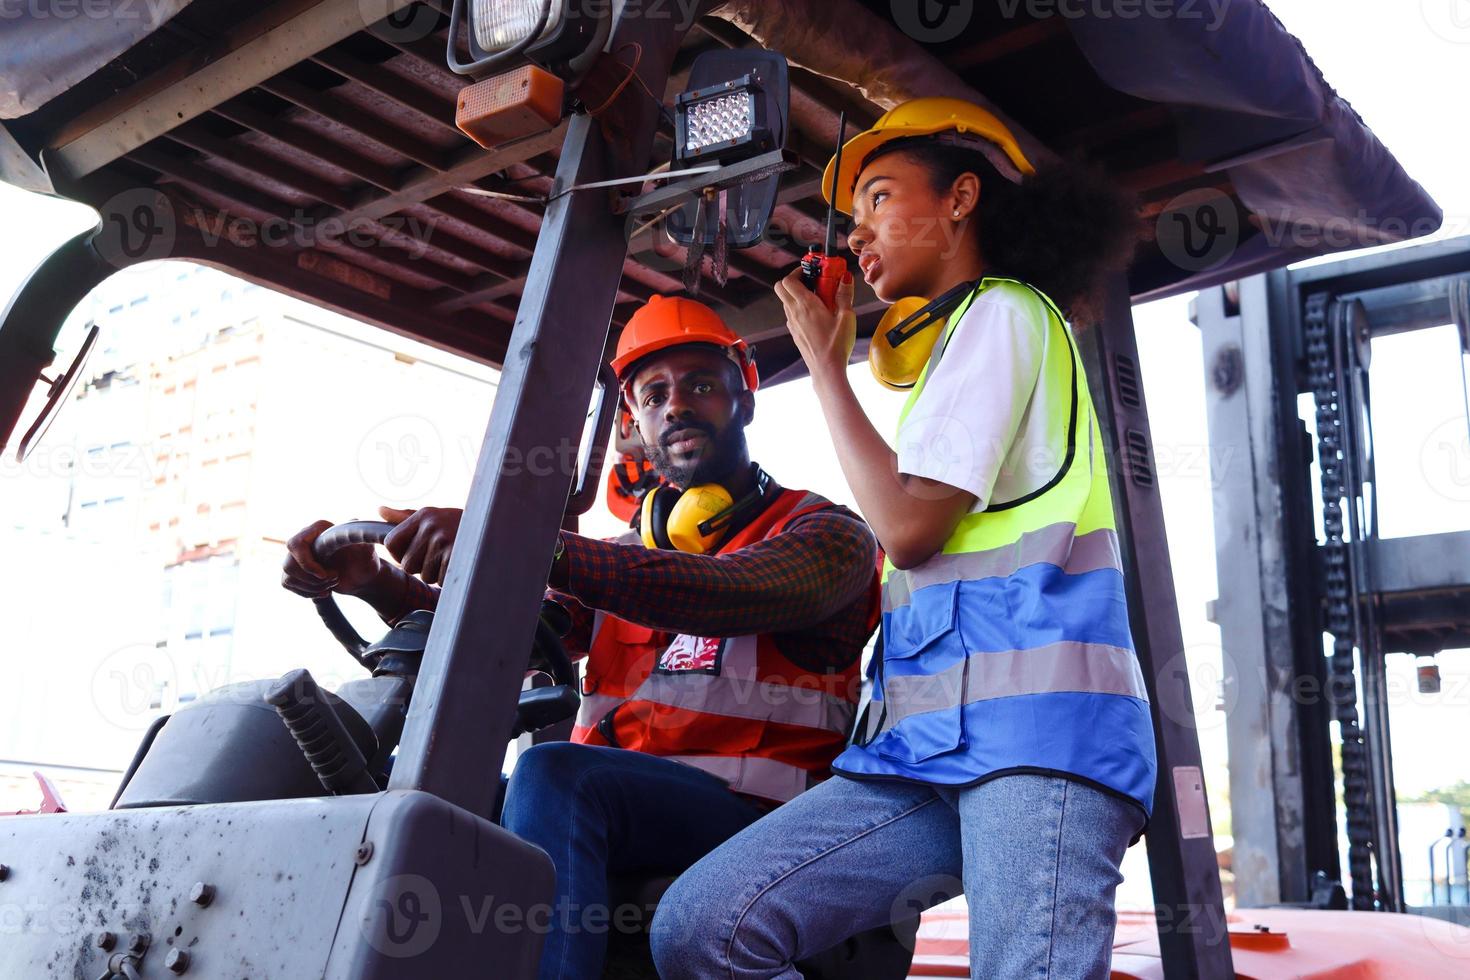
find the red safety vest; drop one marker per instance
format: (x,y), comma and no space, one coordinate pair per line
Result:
(733,706)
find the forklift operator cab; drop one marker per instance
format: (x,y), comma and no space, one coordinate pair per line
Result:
(603,154)
(289,739)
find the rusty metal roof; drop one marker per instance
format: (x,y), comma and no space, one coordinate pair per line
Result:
(349,156)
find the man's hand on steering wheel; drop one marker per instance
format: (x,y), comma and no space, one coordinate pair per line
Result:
(354,569)
(423,539)
(421,543)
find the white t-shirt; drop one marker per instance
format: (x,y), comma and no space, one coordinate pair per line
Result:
(981,423)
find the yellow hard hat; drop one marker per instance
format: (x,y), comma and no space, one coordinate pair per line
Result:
(919,117)
(898,368)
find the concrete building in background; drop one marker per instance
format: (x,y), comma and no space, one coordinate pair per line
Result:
(146,532)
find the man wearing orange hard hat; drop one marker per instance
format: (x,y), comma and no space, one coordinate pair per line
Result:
(721,637)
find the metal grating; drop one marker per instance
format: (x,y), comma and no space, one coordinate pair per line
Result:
(1129,391)
(1140,459)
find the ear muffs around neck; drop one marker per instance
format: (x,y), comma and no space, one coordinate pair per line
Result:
(905,337)
(696,521)
(654,519)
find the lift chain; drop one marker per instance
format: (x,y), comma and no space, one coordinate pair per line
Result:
(1329,391)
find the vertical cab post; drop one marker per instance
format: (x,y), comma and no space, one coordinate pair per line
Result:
(1194,939)
(464,703)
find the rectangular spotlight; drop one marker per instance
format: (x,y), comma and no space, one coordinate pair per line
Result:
(502,24)
(562,36)
(724,121)
(735,109)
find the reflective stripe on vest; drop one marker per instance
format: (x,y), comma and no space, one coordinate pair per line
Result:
(1059,544)
(742,711)
(766,778)
(594,708)
(624,649)
(1011,648)
(736,697)
(1067,666)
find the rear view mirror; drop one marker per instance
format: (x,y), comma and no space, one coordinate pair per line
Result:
(600,413)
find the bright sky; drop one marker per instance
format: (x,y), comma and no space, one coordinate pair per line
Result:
(1406,68)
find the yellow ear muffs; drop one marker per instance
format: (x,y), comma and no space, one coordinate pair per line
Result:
(907,334)
(696,521)
(898,367)
(696,506)
(653,512)
(671,518)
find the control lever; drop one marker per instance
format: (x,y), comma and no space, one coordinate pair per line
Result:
(313,721)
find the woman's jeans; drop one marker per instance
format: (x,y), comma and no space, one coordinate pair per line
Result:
(598,811)
(1037,857)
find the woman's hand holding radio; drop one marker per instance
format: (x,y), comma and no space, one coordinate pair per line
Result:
(825,338)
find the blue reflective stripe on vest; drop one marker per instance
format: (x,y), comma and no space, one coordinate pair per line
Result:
(1039,733)
(1036,606)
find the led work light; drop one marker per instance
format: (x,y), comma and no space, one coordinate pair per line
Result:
(724,119)
(718,122)
(735,109)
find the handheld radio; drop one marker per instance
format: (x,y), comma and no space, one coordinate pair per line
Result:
(822,271)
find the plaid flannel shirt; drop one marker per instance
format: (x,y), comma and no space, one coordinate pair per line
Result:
(807,586)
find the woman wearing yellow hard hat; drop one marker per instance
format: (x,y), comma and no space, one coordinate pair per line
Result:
(1008,750)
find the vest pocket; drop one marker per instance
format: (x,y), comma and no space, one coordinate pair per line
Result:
(930,615)
(924,641)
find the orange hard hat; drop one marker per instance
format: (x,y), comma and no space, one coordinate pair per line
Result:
(670,321)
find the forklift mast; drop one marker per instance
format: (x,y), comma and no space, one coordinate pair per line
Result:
(1287,577)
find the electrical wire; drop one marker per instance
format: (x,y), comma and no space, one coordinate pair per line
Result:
(632,74)
(593,185)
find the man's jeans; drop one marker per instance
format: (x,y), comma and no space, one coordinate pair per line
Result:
(1037,855)
(598,811)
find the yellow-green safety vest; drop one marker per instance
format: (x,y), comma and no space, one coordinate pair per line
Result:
(1010,650)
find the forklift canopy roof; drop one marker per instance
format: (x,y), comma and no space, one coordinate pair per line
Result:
(291,118)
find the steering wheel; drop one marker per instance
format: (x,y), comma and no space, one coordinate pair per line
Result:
(538,708)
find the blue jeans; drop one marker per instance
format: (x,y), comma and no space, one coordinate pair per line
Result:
(598,811)
(1036,857)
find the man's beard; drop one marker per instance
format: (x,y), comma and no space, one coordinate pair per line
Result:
(726,452)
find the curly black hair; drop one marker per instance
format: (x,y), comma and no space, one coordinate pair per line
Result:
(1064,229)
